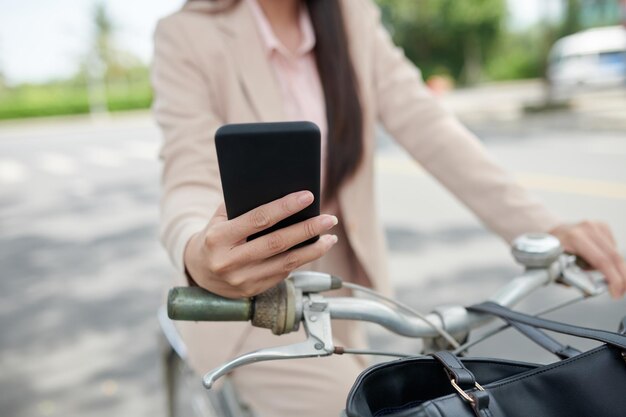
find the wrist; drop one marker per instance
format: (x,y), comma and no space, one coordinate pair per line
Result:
(189,257)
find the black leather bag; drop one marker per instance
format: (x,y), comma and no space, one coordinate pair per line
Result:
(589,384)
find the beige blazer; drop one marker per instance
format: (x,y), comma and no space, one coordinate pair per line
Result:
(210,69)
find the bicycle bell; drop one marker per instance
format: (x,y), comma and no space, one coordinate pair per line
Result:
(536,250)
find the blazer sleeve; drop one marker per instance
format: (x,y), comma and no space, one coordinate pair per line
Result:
(445,148)
(185,112)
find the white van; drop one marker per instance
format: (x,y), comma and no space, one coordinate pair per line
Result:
(591,59)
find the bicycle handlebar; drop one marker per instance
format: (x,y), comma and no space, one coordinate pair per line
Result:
(453,319)
(280,308)
(275,309)
(297,300)
(196,304)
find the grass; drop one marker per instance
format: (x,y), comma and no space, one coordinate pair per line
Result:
(65,99)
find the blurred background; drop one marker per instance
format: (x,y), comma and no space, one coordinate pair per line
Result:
(542,82)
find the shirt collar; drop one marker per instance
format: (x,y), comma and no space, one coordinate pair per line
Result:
(272,43)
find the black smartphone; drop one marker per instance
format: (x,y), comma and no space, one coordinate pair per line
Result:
(262,162)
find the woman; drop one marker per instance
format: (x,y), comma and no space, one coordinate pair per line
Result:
(330,62)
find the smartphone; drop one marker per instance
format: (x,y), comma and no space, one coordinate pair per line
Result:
(262,162)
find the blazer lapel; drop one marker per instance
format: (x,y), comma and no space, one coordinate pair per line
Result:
(252,63)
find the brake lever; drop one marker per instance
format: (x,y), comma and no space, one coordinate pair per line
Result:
(590,283)
(319,342)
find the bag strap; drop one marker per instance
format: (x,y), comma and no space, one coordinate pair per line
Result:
(545,341)
(613,339)
(456,371)
(463,380)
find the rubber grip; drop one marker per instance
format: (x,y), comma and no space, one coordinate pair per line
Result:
(197,304)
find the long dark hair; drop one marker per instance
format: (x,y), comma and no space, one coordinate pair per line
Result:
(343,106)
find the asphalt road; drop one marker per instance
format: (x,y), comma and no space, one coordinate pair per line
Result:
(83,275)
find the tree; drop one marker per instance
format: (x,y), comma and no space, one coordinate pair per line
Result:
(453,36)
(105,64)
(572,17)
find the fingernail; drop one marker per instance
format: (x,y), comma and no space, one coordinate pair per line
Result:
(306,197)
(333,239)
(329,221)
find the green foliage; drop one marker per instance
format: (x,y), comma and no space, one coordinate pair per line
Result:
(571,23)
(63,98)
(467,39)
(458,35)
(117,74)
(33,100)
(125,97)
(517,55)
(584,14)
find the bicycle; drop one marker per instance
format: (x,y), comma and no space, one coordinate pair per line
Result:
(299,299)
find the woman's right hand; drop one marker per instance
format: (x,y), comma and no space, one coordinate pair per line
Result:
(220,259)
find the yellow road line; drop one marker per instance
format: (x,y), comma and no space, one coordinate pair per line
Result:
(543,182)
(579,186)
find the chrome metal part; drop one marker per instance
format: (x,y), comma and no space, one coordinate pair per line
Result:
(347,308)
(455,322)
(403,308)
(508,296)
(319,342)
(590,283)
(536,250)
(520,287)
(171,333)
(310,281)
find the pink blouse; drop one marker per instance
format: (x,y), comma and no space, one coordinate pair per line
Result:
(303,98)
(296,73)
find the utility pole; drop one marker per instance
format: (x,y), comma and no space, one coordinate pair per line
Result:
(98,60)
(2,80)
(623,16)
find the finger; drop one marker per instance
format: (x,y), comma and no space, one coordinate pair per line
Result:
(281,240)
(607,246)
(256,278)
(604,230)
(268,274)
(257,284)
(267,215)
(587,248)
(621,266)
(295,258)
(246,281)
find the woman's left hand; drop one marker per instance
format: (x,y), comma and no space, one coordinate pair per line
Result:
(594,242)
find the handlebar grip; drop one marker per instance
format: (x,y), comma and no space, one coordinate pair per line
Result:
(197,304)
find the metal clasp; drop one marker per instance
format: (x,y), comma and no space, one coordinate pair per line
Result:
(463,393)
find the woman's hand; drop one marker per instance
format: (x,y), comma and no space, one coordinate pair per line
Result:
(594,242)
(220,260)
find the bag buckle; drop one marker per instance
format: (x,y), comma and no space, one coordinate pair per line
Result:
(463,393)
